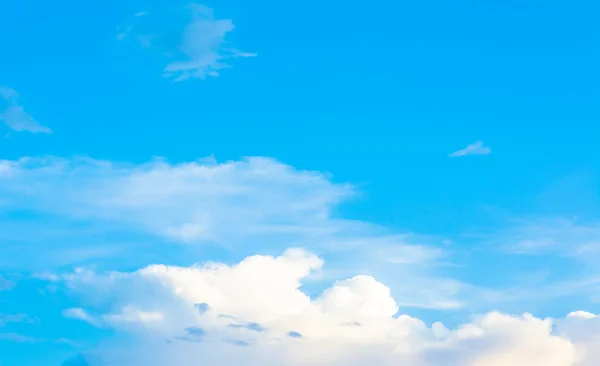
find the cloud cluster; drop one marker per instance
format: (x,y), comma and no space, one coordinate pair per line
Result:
(197,50)
(256,313)
(15,117)
(241,207)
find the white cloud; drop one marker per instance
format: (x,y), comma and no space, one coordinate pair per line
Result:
(248,206)
(256,314)
(196,201)
(255,205)
(581,314)
(198,50)
(133,315)
(15,117)
(475,148)
(126,315)
(260,311)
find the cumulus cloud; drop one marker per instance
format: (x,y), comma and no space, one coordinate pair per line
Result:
(255,313)
(15,117)
(475,148)
(193,39)
(263,310)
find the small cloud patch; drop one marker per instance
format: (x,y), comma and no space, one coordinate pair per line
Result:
(475,148)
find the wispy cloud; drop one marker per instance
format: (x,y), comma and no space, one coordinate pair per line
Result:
(79,314)
(475,148)
(15,318)
(15,337)
(15,117)
(551,235)
(6,284)
(551,258)
(259,205)
(195,43)
(255,204)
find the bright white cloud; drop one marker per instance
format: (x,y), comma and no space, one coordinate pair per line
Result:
(475,148)
(256,314)
(15,117)
(197,50)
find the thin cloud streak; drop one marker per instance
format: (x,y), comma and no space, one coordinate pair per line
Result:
(475,148)
(15,117)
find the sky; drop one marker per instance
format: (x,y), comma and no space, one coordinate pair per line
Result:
(323,183)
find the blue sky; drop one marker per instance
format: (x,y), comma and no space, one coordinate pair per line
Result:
(446,149)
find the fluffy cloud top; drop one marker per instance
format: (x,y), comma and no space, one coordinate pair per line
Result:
(256,313)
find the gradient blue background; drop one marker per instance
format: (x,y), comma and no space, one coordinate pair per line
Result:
(375,93)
